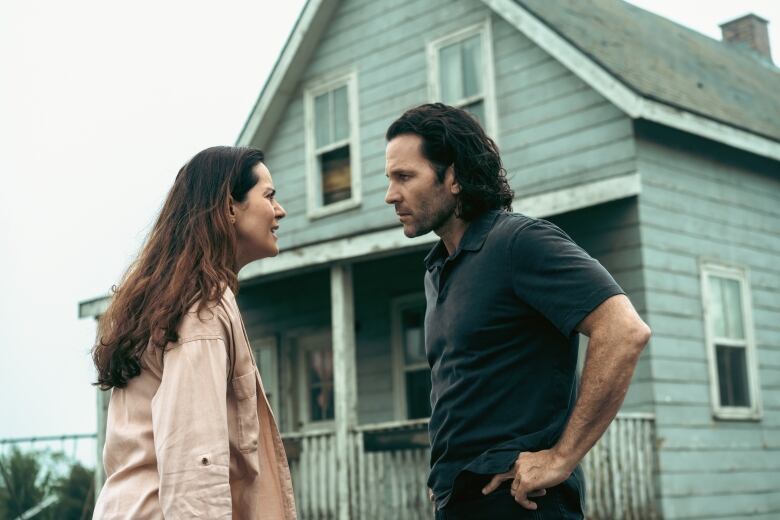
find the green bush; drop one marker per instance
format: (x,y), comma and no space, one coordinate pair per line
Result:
(27,478)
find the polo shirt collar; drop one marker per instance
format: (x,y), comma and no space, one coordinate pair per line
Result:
(472,239)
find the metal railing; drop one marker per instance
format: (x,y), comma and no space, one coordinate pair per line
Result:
(79,446)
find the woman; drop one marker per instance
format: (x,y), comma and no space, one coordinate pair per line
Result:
(190,433)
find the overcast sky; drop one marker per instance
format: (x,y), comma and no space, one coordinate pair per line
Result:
(100,104)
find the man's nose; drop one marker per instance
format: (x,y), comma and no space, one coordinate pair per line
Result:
(392,197)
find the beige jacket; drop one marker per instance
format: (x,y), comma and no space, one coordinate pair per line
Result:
(193,435)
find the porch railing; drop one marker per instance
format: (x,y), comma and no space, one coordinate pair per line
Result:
(390,467)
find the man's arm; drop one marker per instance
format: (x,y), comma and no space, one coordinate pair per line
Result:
(617,336)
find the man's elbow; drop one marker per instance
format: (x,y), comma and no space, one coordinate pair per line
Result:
(638,336)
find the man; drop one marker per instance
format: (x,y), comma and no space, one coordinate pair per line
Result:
(506,296)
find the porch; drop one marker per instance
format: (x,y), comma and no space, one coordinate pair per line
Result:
(345,371)
(387,467)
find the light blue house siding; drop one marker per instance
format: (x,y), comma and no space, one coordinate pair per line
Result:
(282,308)
(694,201)
(554,131)
(698,200)
(704,201)
(285,307)
(611,234)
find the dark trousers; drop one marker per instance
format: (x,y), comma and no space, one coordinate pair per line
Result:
(559,504)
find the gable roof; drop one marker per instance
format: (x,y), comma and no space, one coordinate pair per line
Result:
(281,84)
(669,63)
(649,67)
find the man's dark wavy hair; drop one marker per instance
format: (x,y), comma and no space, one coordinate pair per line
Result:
(451,136)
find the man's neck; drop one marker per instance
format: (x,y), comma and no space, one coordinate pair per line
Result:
(451,233)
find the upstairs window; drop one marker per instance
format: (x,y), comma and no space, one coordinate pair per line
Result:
(730,343)
(461,73)
(333,172)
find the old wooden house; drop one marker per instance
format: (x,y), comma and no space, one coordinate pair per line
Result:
(655,147)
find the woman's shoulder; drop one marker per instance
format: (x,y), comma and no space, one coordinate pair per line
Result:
(212,319)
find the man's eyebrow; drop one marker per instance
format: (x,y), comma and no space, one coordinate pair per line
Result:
(398,171)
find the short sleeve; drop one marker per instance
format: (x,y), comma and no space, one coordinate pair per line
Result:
(556,277)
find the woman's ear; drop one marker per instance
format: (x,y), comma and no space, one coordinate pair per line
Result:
(231,210)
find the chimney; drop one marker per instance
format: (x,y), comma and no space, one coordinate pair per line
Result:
(749,30)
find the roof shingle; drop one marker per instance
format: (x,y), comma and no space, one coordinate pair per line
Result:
(666,62)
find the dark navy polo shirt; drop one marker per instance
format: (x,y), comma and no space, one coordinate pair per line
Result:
(501,342)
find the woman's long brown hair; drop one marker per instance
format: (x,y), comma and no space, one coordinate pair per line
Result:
(189,257)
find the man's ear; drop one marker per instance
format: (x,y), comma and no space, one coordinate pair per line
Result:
(454,186)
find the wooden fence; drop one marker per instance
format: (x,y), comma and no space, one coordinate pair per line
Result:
(390,467)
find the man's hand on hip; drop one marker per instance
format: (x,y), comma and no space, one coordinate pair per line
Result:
(531,475)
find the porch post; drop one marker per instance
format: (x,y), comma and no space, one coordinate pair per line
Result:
(344,379)
(103,396)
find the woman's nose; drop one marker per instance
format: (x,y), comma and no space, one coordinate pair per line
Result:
(280,213)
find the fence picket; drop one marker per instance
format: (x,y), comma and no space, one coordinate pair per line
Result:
(619,473)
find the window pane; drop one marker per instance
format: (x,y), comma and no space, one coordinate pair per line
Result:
(340,114)
(319,365)
(321,404)
(322,119)
(726,308)
(413,336)
(266,364)
(336,175)
(450,74)
(732,374)
(477,110)
(418,393)
(472,66)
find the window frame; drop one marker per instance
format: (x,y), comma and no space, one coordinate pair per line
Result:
(314,207)
(271,383)
(710,269)
(397,306)
(304,342)
(483,29)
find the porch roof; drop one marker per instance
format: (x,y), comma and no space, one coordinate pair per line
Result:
(388,241)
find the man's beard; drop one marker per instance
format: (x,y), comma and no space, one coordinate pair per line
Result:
(432,219)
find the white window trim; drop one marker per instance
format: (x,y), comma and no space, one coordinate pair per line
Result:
(397,305)
(754,411)
(305,423)
(316,87)
(434,88)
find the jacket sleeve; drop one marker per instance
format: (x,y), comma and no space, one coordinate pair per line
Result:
(189,420)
